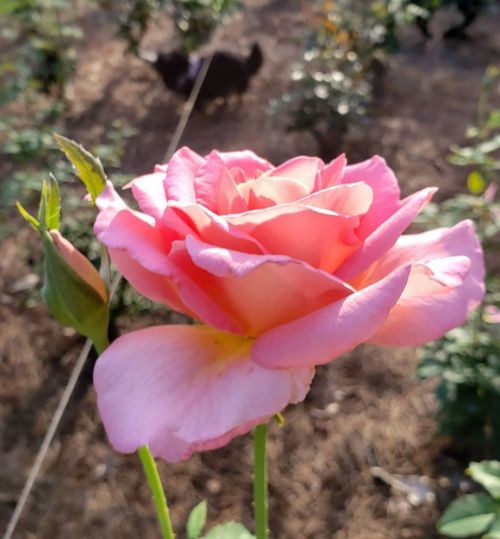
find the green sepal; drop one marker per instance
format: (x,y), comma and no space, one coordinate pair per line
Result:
(49,211)
(87,167)
(27,216)
(71,300)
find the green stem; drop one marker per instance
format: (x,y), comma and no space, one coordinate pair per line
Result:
(153,477)
(260,482)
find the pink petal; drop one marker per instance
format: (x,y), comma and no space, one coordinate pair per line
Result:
(181,389)
(199,221)
(150,194)
(119,227)
(138,234)
(180,175)
(382,180)
(249,162)
(386,235)
(332,173)
(262,291)
(289,229)
(229,199)
(349,199)
(154,286)
(216,189)
(207,181)
(140,247)
(302,169)
(109,202)
(332,330)
(446,283)
(269,191)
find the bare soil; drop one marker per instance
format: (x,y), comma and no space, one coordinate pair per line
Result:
(365,410)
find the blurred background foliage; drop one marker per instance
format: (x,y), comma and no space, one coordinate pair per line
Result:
(346,49)
(195,20)
(467,360)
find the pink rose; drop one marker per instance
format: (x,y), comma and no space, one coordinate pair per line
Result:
(289,266)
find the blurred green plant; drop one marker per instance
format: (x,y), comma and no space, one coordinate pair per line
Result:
(484,152)
(476,514)
(467,360)
(32,149)
(346,48)
(133,18)
(194,20)
(467,363)
(38,53)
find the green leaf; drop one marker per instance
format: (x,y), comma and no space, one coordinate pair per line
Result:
(27,216)
(50,205)
(88,168)
(197,520)
(487,473)
(494,531)
(229,530)
(469,515)
(476,183)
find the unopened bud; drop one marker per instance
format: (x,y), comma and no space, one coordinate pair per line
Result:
(80,263)
(73,290)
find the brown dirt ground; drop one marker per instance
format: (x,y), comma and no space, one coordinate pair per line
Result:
(364,410)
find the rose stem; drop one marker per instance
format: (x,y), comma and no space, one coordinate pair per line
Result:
(260,482)
(153,477)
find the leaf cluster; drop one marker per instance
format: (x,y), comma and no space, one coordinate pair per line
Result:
(40,55)
(345,49)
(194,20)
(483,151)
(476,514)
(467,363)
(467,360)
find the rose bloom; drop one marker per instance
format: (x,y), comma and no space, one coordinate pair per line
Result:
(286,267)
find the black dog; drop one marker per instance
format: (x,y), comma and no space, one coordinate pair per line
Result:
(228,74)
(469,9)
